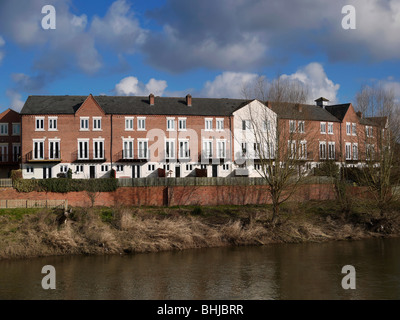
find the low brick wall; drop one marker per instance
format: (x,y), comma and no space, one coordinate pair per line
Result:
(177,195)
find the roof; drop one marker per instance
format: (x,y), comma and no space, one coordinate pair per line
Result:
(133,105)
(378,121)
(301,111)
(338,110)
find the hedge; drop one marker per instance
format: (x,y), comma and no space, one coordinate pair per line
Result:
(66,185)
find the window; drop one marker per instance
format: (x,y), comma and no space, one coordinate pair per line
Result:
(207,149)
(182,124)
(348,151)
(355,151)
(127,149)
(96,123)
(16,129)
(104,168)
(170,149)
(52,123)
(151,167)
(208,124)
(189,167)
(323,127)
(330,128)
(303,150)
(63,169)
(29,169)
(54,149)
(98,149)
(4,153)
(322,150)
(203,167)
(128,123)
(331,150)
(348,128)
(368,131)
(220,124)
(79,168)
(292,126)
(221,149)
(225,167)
(166,167)
(170,124)
(141,124)
(246,125)
(39,123)
(83,149)
(292,149)
(38,149)
(16,151)
(4,129)
(354,129)
(257,166)
(301,127)
(184,151)
(143,149)
(369,150)
(267,125)
(244,149)
(84,123)
(120,168)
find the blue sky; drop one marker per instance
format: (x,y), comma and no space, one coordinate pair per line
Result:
(206,48)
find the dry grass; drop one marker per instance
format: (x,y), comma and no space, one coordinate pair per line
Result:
(131,230)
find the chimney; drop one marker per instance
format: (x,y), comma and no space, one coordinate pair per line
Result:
(359,114)
(322,102)
(151,99)
(299,107)
(189,100)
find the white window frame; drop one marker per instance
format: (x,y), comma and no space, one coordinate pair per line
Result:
(51,122)
(292,149)
(348,151)
(143,152)
(208,124)
(4,152)
(219,124)
(41,141)
(141,123)
(303,150)
(355,151)
(330,127)
(29,170)
(52,156)
(41,121)
(86,121)
(323,127)
(129,123)
(184,152)
(207,148)
(292,126)
(331,150)
(322,150)
(221,152)
(348,128)
(14,155)
(246,125)
(131,147)
(302,126)
(170,124)
(354,129)
(182,124)
(104,168)
(171,148)
(2,131)
(95,122)
(100,155)
(86,142)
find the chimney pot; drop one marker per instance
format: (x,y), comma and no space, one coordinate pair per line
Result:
(189,100)
(151,99)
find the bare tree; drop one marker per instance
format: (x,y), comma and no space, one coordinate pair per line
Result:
(280,151)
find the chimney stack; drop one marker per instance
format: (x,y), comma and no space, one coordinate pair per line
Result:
(299,107)
(322,102)
(151,99)
(359,114)
(189,100)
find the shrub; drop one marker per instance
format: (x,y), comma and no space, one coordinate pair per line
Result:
(69,173)
(16,174)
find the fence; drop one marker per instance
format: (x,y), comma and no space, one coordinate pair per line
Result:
(6,183)
(200,181)
(19,203)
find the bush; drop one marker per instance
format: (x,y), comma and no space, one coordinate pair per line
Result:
(66,185)
(112,174)
(69,173)
(16,174)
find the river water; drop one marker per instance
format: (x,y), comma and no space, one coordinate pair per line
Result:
(281,271)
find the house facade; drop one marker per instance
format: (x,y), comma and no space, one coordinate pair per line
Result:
(10,142)
(180,137)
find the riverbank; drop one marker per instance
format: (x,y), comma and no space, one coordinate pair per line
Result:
(26,233)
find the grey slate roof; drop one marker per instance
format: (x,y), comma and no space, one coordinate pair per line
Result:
(133,105)
(338,110)
(308,112)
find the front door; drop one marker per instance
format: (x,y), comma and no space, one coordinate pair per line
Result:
(178,171)
(92,171)
(215,170)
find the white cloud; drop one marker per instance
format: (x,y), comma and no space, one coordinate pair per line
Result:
(131,86)
(314,77)
(15,100)
(228,85)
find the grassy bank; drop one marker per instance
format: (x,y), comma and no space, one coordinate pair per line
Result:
(39,232)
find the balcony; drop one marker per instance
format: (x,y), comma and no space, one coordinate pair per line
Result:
(7,159)
(88,156)
(32,158)
(135,155)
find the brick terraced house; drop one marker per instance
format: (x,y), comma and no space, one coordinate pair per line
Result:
(179,137)
(10,142)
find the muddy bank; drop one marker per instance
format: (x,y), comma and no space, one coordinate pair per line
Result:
(34,233)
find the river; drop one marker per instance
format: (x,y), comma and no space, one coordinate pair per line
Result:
(279,271)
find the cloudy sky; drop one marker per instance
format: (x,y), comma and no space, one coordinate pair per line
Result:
(206,48)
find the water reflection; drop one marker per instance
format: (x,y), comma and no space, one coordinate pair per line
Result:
(293,271)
